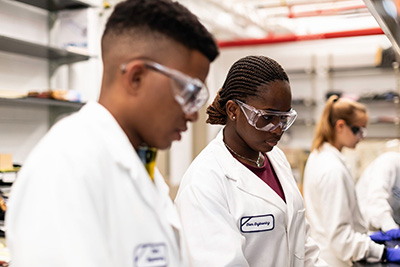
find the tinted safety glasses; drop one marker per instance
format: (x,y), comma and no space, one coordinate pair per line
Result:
(360,132)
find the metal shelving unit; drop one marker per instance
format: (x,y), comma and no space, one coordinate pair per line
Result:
(56,107)
(371,103)
(42,102)
(55,56)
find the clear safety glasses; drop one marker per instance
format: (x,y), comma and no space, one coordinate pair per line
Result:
(267,120)
(189,92)
(360,132)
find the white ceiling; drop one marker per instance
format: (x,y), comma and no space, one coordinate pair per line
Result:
(231,20)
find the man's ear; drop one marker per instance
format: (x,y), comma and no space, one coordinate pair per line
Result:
(133,76)
(232,110)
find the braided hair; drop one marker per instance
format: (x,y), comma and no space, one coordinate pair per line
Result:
(244,79)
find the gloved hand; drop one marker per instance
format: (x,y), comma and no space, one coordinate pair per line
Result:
(393,233)
(380,237)
(393,254)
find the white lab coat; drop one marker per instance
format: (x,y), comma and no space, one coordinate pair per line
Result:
(378,192)
(230,217)
(83,198)
(332,210)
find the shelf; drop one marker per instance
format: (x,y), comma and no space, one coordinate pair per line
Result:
(360,68)
(384,120)
(300,71)
(59,56)
(395,100)
(42,102)
(54,5)
(337,70)
(57,107)
(304,102)
(361,71)
(304,122)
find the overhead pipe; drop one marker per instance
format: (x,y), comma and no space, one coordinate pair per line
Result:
(295,38)
(290,3)
(323,11)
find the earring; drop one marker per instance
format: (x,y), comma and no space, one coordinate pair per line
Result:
(234,118)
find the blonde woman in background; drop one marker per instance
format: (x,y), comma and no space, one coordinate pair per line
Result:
(329,191)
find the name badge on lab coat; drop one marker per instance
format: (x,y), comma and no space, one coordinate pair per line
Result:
(151,255)
(258,223)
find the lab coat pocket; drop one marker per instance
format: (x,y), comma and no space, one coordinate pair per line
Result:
(299,236)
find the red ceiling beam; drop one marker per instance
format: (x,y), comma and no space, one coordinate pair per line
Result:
(295,38)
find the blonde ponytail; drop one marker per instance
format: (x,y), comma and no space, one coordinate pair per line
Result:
(335,109)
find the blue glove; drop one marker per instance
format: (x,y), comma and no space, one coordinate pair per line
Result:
(393,233)
(393,254)
(380,237)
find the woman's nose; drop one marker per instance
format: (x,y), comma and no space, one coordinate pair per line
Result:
(192,117)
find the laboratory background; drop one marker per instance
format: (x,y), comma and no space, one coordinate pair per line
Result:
(50,66)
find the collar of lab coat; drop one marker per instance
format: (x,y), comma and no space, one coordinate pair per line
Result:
(114,138)
(327,147)
(247,181)
(122,151)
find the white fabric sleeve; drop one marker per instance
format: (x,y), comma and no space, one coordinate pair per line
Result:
(59,226)
(379,212)
(345,242)
(312,251)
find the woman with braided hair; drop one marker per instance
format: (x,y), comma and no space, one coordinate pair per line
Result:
(238,201)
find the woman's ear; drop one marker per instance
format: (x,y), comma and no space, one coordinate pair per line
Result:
(232,110)
(340,125)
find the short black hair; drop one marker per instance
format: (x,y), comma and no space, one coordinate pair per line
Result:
(243,80)
(166,17)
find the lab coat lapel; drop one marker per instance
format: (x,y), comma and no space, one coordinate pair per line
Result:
(141,179)
(167,211)
(156,195)
(286,180)
(127,158)
(165,202)
(123,153)
(328,147)
(247,181)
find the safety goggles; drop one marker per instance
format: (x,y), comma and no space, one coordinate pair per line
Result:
(189,92)
(267,120)
(360,132)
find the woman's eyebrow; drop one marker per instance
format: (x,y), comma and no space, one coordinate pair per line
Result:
(275,110)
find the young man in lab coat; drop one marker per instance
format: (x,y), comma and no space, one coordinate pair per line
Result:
(83,196)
